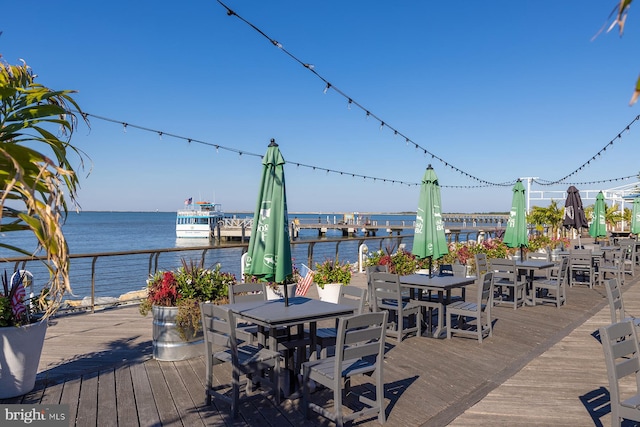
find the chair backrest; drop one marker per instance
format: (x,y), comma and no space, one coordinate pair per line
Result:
(360,336)
(540,256)
(247,292)
(459,270)
(353,296)
(628,249)
(482,265)
(613,257)
(616,304)
(386,289)
(563,269)
(485,292)
(580,257)
(621,355)
(503,269)
(218,327)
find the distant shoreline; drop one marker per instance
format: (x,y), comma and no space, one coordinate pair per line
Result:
(307,213)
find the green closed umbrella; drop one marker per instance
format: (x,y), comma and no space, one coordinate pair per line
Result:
(269,253)
(635,216)
(515,236)
(428,238)
(598,227)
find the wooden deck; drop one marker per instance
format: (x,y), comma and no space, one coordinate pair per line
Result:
(543,366)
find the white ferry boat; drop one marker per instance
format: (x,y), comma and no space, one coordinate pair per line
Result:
(198,220)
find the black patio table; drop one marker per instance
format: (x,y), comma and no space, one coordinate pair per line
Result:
(441,284)
(272,314)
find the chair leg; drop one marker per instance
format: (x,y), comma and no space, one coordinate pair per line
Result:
(305,392)
(380,396)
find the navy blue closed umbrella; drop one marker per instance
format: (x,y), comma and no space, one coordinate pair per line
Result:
(574,217)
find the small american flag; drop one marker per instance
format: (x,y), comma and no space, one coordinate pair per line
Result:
(188,201)
(305,282)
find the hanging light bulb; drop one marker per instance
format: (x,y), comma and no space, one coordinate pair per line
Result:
(124,127)
(327,88)
(349,104)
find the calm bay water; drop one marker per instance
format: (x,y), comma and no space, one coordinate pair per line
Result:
(98,232)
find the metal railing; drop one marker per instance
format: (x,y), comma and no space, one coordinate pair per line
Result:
(103,278)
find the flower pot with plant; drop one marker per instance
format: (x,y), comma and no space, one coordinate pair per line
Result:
(37,180)
(22,331)
(329,277)
(174,299)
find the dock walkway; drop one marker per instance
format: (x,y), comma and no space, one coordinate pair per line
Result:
(543,366)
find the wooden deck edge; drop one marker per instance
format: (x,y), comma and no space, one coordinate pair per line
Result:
(450,413)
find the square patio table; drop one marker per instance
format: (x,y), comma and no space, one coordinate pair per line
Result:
(440,284)
(272,314)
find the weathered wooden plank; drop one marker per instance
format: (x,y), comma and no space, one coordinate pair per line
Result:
(107,408)
(145,403)
(125,398)
(187,409)
(193,381)
(70,396)
(88,401)
(162,395)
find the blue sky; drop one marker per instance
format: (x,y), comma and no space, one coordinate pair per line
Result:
(499,89)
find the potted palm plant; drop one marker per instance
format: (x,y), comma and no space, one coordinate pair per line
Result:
(329,277)
(38,180)
(174,297)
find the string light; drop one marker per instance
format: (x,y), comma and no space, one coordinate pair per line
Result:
(368,113)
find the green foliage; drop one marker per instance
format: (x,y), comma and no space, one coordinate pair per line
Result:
(21,311)
(185,288)
(332,271)
(538,241)
(398,262)
(36,173)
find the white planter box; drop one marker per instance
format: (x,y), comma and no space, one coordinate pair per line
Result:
(330,293)
(20,348)
(273,294)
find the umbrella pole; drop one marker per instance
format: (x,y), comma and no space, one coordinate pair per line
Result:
(286,295)
(430,265)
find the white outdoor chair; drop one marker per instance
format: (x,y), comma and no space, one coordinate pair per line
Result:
(622,357)
(474,310)
(359,350)
(554,289)
(349,295)
(218,325)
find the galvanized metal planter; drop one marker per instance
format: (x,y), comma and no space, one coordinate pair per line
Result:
(168,345)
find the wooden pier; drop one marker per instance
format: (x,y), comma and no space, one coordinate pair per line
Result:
(350,225)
